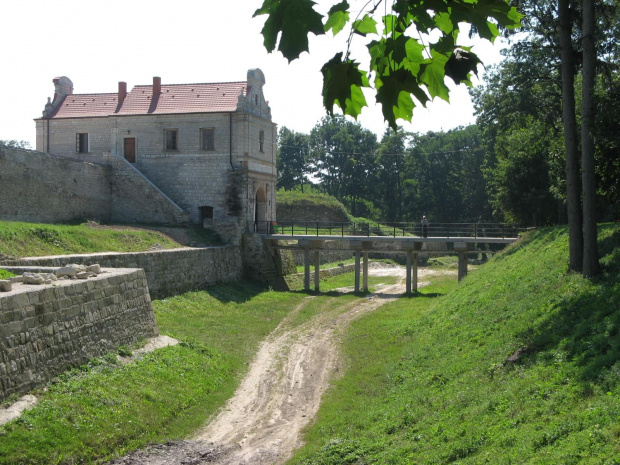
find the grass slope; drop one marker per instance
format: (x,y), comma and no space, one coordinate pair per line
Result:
(31,239)
(519,364)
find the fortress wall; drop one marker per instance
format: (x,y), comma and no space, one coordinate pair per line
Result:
(38,187)
(168,272)
(46,329)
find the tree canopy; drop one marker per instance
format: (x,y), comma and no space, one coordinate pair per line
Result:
(412,46)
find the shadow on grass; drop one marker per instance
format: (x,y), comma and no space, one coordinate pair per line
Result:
(238,292)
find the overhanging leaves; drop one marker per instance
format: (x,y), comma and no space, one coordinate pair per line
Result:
(337,17)
(342,83)
(403,65)
(292,20)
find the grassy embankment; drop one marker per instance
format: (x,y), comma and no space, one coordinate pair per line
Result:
(34,240)
(519,364)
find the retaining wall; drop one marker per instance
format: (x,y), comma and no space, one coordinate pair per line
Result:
(168,272)
(46,329)
(39,187)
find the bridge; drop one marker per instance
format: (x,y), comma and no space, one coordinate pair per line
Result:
(400,238)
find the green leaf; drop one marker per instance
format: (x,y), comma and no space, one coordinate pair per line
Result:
(433,76)
(337,17)
(443,21)
(461,64)
(342,83)
(292,21)
(394,94)
(364,26)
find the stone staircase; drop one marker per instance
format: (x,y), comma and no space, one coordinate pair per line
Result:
(261,263)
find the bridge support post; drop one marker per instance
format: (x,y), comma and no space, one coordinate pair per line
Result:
(414,272)
(408,272)
(307,269)
(462,248)
(317,270)
(357,271)
(365,271)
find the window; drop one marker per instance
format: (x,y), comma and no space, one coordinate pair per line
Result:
(207,139)
(261,141)
(81,142)
(206,212)
(171,137)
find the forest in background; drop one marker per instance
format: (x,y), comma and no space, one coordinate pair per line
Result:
(510,166)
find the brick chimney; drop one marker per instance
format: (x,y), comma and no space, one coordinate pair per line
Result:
(122,92)
(156,86)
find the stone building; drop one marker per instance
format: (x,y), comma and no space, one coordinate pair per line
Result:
(209,148)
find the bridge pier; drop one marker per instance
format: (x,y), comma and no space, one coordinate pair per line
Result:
(314,246)
(462,248)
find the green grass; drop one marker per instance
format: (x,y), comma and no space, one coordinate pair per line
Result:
(520,363)
(4,274)
(31,239)
(101,410)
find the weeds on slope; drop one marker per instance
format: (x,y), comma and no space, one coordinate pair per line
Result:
(520,363)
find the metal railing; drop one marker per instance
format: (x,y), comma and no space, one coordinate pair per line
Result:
(370,229)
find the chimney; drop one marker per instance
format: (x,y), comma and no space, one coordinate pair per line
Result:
(156,86)
(122,92)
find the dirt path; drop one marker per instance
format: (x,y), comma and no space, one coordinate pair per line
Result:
(279,395)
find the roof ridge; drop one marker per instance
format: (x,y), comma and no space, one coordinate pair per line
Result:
(94,93)
(194,84)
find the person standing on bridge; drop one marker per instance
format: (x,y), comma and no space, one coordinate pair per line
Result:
(424,224)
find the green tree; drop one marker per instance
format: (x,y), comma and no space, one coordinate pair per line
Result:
(21,144)
(390,173)
(444,178)
(343,155)
(405,66)
(292,159)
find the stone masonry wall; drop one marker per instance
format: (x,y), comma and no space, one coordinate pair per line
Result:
(38,187)
(46,329)
(168,272)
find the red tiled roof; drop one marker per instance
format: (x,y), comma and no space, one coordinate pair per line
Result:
(173,99)
(81,105)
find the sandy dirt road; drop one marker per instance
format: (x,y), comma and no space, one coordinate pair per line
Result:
(280,394)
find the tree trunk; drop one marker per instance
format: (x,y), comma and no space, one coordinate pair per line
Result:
(588,179)
(573,205)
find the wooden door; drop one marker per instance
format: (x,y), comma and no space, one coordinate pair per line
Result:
(130,149)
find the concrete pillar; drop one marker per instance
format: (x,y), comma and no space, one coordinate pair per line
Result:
(414,271)
(317,270)
(462,248)
(462,265)
(307,269)
(408,273)
(357,271)
(365,271)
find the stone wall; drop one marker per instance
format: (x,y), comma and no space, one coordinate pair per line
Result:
(168,272)
(46,329)
(38,187)
(332,255)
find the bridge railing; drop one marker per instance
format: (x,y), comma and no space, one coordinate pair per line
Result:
(369,229)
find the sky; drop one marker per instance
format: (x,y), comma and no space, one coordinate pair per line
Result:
(99,43)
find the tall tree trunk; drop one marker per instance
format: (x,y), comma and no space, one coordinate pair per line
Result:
(588,179)
(573,204)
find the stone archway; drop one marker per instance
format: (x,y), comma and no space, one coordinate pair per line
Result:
(260,210)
